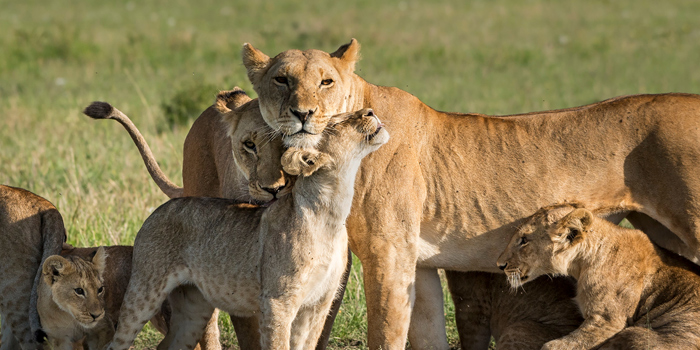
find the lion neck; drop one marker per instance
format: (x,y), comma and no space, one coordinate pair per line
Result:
(325,197)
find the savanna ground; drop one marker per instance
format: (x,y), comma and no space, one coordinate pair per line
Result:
(162,62)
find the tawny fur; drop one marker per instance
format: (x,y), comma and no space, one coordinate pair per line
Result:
(287,270)
(213,168)
(632,293)
(31,229)
(525,318)
(114,277)
(449,188)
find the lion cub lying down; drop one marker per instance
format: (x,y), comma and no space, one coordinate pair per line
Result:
(632,294)
(283,262)
(80,294)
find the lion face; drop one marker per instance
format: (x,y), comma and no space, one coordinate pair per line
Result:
(257,150)
(299,91)
(544,244)
(349,137)
(76,286)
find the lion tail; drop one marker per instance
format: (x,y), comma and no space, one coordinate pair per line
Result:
(53,234)
(103,110)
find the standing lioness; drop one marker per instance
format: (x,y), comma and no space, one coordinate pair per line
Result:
(632,294)
(449,188)
(288,269)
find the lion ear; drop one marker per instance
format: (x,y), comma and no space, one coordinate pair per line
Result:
(576,224)
(348,54)
(227,99)
(255,62)
(304,162)
(99,259)
(54,267)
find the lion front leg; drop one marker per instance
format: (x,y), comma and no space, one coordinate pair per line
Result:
(276,320)
(593,331)
(428,315)
(389,290)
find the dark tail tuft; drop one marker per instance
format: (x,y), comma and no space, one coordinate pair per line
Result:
(98,110)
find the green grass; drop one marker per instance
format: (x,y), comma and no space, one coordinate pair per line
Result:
(158,61)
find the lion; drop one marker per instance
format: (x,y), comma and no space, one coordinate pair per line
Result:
(31,230)
(288,272)
(236,159)
(522,319)
(80,295)
(632,293)
(449,188)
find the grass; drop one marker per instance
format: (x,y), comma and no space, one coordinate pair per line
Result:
(158,61)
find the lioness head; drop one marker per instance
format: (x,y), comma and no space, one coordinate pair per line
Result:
(349,137)
(299,91)
(76,286)
(256,148)
(545,243)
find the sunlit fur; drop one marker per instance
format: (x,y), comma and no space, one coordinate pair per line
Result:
(631,293)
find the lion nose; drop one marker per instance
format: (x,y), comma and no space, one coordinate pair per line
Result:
(302,115)
(94,317)
(502,266)
(273,190)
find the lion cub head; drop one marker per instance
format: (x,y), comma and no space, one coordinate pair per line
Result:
(256,148)
(545,243)
(76,286)
(299,91)
(348,138)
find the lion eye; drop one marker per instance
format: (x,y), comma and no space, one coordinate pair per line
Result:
(100,290)
(523,240)
(79,291)
(250,145)
(281,80)
(326,82)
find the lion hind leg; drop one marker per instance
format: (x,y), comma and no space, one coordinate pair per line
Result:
(190,314)
(144,297)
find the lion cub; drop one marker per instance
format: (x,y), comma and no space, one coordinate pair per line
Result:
(632,294)
(81,293)
(283,262)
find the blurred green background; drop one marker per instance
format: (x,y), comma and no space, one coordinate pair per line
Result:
(163,62)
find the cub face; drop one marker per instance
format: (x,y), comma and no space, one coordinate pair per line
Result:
(76,286)
(545,244)
(299,91)
(349,137)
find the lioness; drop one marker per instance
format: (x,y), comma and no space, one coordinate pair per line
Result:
(449,188)
(31,229)
(289,271)
(236,159)
(518,319)
(633,294)
(81,293)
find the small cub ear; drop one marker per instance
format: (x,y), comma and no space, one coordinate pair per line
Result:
(99,259)
(577,223)
(348,54)
(255,62)
(304,162)
(54,267)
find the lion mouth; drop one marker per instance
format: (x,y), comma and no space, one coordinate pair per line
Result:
(516,278)
(376,132)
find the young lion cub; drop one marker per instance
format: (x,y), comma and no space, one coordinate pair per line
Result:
(287,271)
(80,295)
(632,294)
